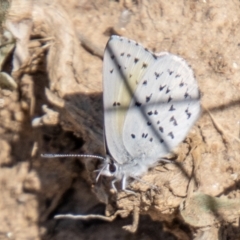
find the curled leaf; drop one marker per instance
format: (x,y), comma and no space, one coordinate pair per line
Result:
(7,82)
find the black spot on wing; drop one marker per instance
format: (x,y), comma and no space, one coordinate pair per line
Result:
(161,129)
(181,84)
(138,104)
(136,60)
(188,113)
(154,56)
(115,104)
(155,112)
(158,122)
(172,119)
(144,65)
(170,134)
(122,54)
(150,139)
(169,99)
(161,140)
(148,98)
(132,135)
(168,90)
(145,82)
(128,55)
(186,95)
(162,87)
(149,123)
(157,75)
(177,76)
(145,135)
(170,72)
(111,71)
(150,113)
(172,108)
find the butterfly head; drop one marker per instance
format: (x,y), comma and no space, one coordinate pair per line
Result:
(110,168)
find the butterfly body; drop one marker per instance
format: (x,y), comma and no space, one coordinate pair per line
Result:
(150,103)
(133,168)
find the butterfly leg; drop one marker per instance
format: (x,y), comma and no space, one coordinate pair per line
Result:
(124,183)
(113,185)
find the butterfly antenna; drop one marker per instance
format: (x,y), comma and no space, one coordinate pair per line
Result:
(100,172)
(52,155)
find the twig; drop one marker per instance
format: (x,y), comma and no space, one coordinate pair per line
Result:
(90,216)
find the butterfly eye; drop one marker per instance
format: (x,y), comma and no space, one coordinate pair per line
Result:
(112,168)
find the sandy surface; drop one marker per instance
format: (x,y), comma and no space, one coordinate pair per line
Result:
(57,107)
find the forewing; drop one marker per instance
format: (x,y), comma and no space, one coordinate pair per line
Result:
(125,64)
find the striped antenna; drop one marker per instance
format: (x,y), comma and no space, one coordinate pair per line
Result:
(52,155)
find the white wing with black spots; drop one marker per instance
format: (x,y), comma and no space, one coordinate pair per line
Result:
(125,63)
(150,103)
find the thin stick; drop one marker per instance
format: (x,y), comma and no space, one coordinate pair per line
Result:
(90,216)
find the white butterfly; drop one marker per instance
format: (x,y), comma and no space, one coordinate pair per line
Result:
(150,103)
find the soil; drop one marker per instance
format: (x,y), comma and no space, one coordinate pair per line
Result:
(57,107)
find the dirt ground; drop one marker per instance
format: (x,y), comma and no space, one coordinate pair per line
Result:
(52,103)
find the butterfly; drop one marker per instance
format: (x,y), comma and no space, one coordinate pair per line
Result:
(150,101)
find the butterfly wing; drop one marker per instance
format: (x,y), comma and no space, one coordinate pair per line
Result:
(165,106)
(125,64)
